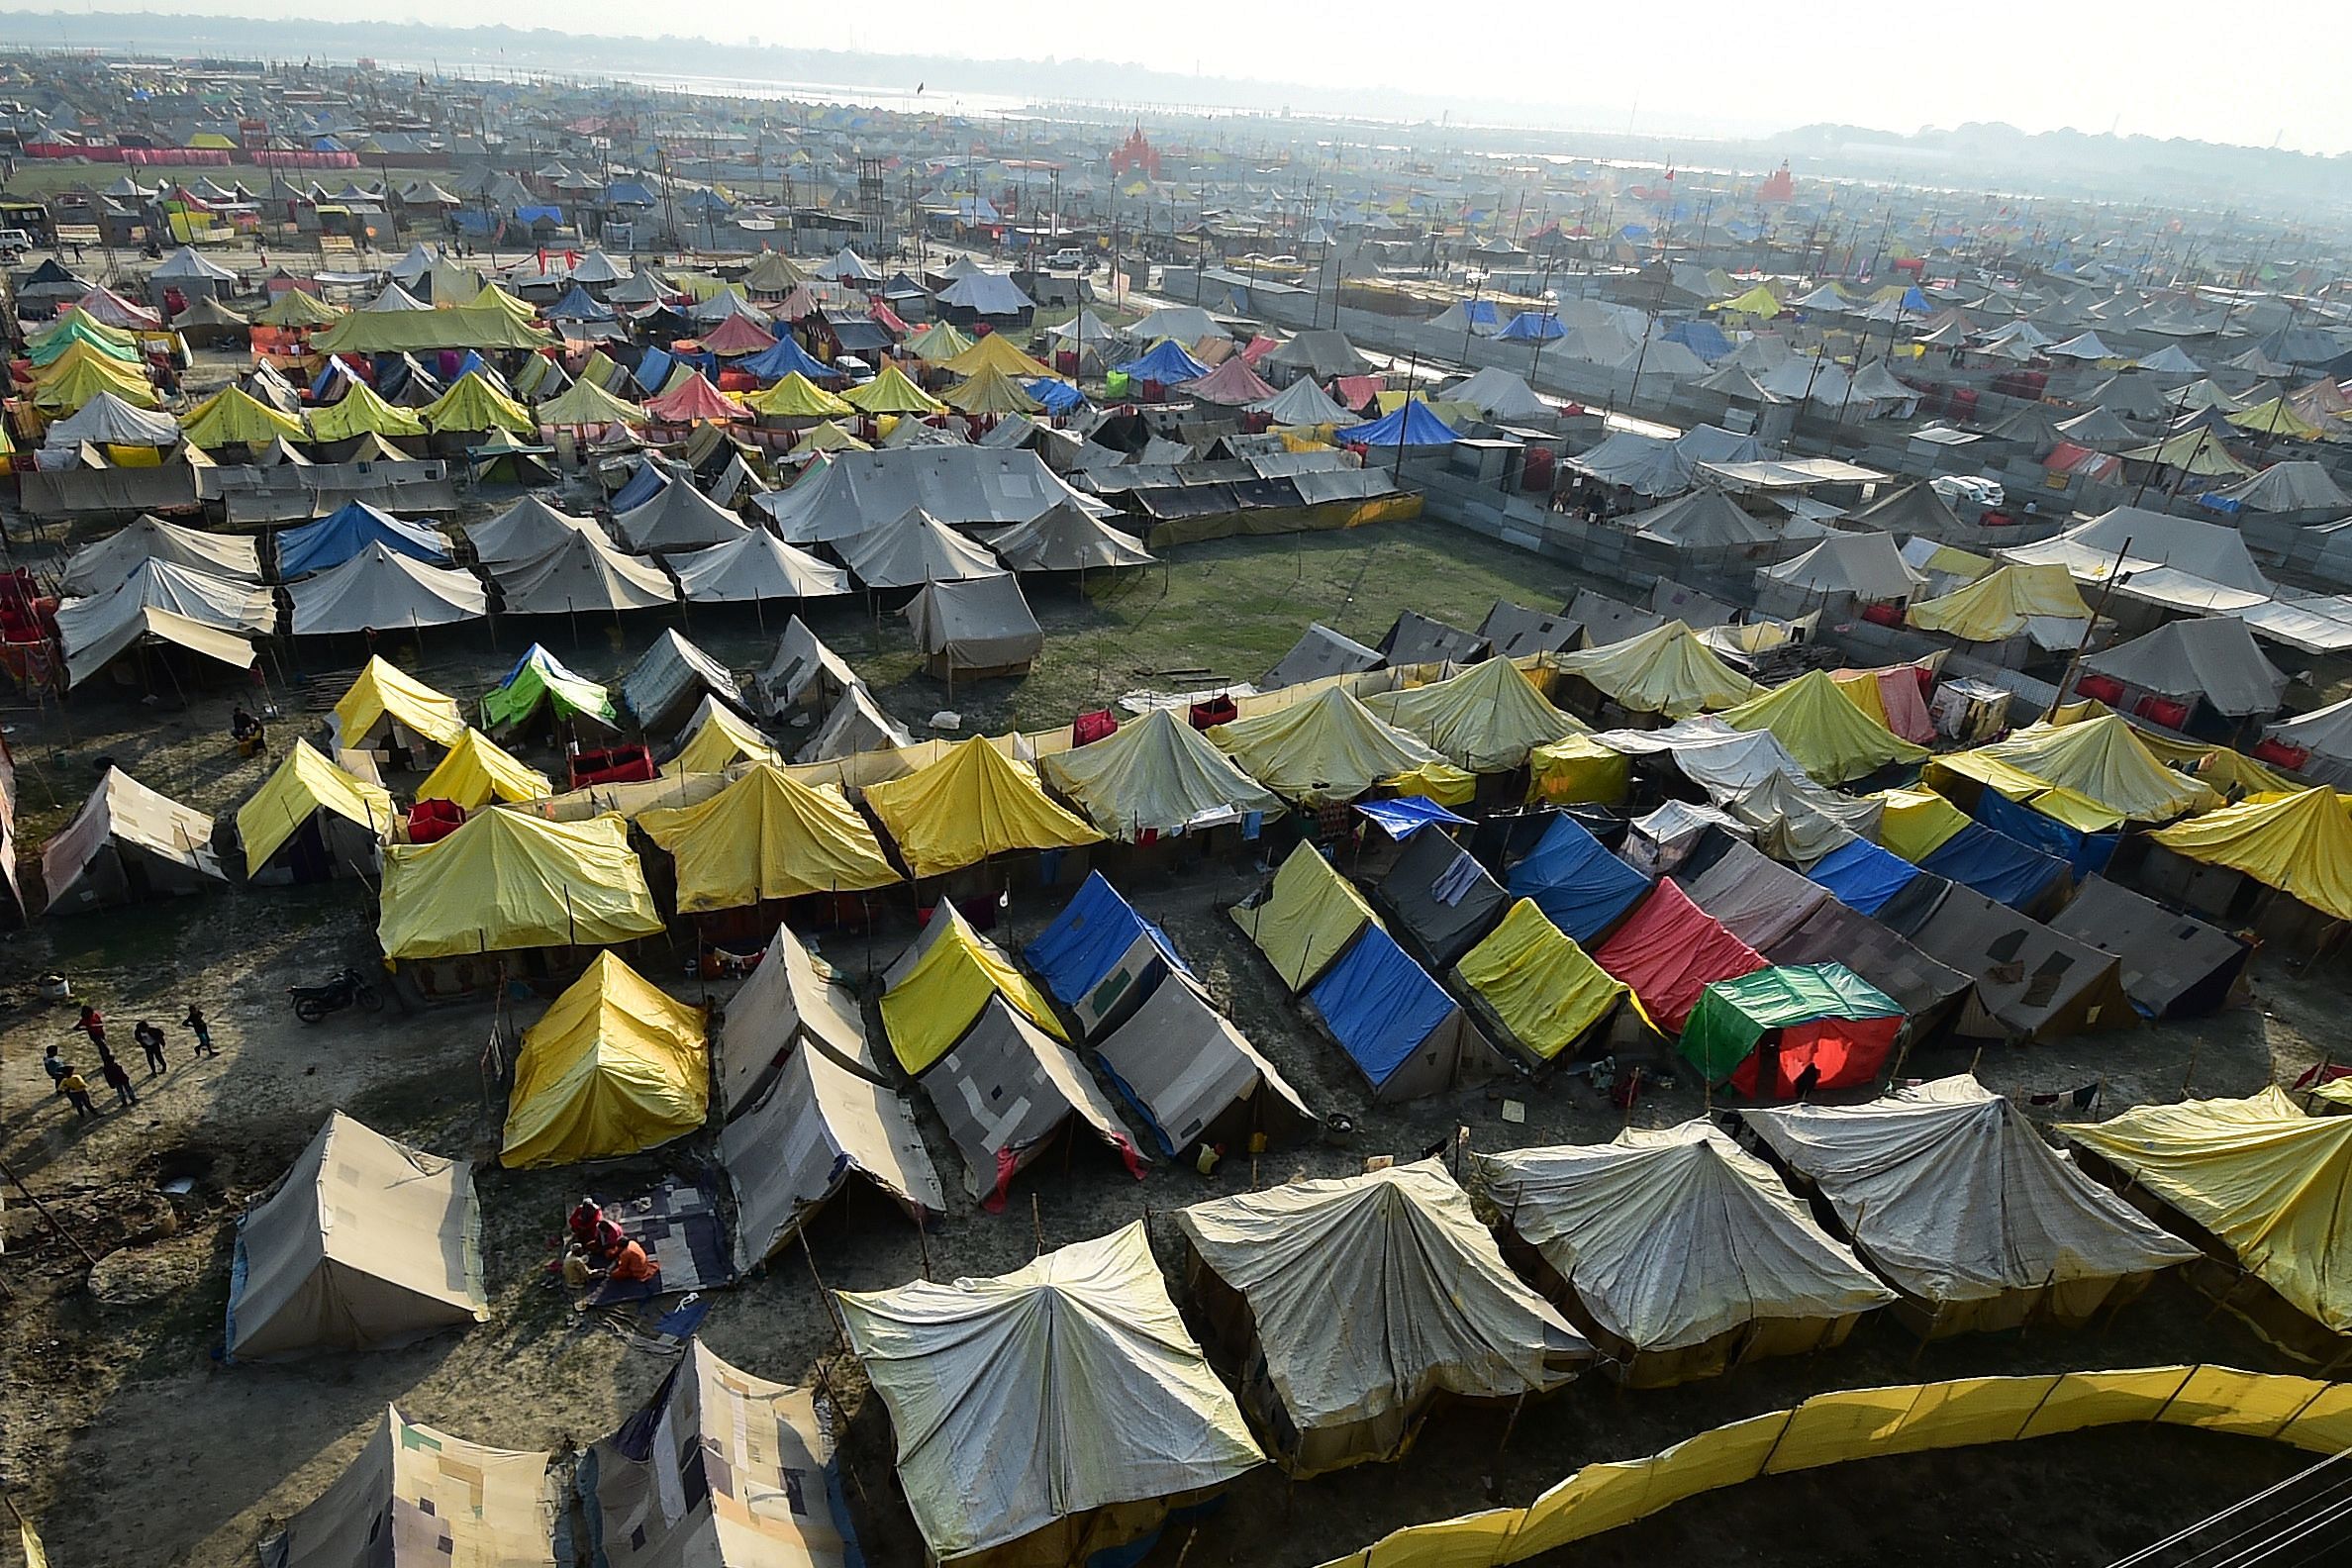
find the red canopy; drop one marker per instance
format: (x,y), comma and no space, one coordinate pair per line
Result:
(887,318)
(1233,383)
(1669,949)
(1258,349)
(738,334)
(694,401)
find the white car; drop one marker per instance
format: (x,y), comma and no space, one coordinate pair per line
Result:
(1974,488)
(1067,259)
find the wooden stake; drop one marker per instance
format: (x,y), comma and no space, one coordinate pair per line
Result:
(1495,1479)
(1037,1226)
(18,1182)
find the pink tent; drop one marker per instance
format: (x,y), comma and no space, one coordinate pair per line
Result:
(1233,383)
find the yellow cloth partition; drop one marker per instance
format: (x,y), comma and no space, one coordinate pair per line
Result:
(929,1009)
(1546,990)
(1577,771)
(2311,1414)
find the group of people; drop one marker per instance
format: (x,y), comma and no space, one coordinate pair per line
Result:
(74,1089)
(600,1249)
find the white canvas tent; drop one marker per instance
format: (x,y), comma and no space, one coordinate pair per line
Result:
(381,590)
(1194,1078)
(914,549)
(582,572)
(789,1001)
(1048,1412)
(1355,1304)
(981,626)
(367,1242)
(804,673)
(1953,1198)
(677,517)
(525,530)
(960,485)
(128,843)
(755,565)
(101,567)
(1680,1251)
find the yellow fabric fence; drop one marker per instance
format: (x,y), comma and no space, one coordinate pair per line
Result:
(1863,1424)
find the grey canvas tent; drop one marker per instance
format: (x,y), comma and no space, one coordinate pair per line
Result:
(1679,1252)
(381,589)
(818,1124)
(962,486)
(1927,989)
(1513,632)
(581,573)
(1193,1078)
(1757,898)
(2214,660)
(1416,638)
(803,674)
(914,549)
(1441,896)
(2030,982)
(1066,537)
(977,626)
(1319,652)
(2173,965)
(367,1242)
(1004,1089)
(673,676)
(755,565)
(677,517)
(789,1002)
(127,844)
(854,724)
(528,529)
(1953,1198)
(1350,1307)
(1049,1412)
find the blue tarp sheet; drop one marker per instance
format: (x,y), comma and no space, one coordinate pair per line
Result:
(774,364)
(1580,887)
(1995,865)
(652,371)
(1703,339)
(1166,363)
(648,482)
(350,528)
(1862,876)
(1410,425)
(1087,938)
(1532,327)
(1379,1003)
(1405,816)
(577,306)
(1058,397)
(2085,853)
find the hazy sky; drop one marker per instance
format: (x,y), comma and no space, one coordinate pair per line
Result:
(2160,68)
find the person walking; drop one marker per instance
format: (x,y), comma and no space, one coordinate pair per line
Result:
(150,1040)
(201,1028)
(93,1024)
(118,1080)
(77,1093)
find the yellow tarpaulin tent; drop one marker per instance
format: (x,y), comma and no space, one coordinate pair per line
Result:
(477,770)
(892,393)
(829,436)
(386,691)
(1758,302)
(72,382)
(1307,919)
(938,344)
(2272,1183)
(2274,418)
(797,397)
(1438,780)
(767,835)
(1545,989)
(1329,748)
(955,970)
(304,783)
(992,392)
(359,412)
(508,879)
(2224,769)
(720,741)
(1664,671)
(1830,738)
(585,402)
(994,351)
(487,320)
(615,1066)
(2101,761)
(1916,822)
(473,404)
(1998,605)
(972,802)
(2299,844)
(233,415)
(1577,771)
(1486,718)
(2199,452)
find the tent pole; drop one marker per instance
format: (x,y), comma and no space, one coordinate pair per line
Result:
(2107,589)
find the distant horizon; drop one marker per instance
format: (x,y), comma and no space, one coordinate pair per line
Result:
(1352,68)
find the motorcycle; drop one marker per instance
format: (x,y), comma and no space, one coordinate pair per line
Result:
(348,988)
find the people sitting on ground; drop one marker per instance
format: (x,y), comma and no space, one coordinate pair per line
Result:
(247,732)
(593,1233)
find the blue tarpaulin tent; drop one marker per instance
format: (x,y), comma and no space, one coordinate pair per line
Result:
(1407,815)
(640,487)
(1703,339)
(1412,425)
(652,371)
(1100,958)
(1166,363)
(1532,327)
(577,306)
(1058,397)
(1580,886)
(349,529)
(1863,876)
(2086,853)
(1995,865)
(1382,1008)
(774,364)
